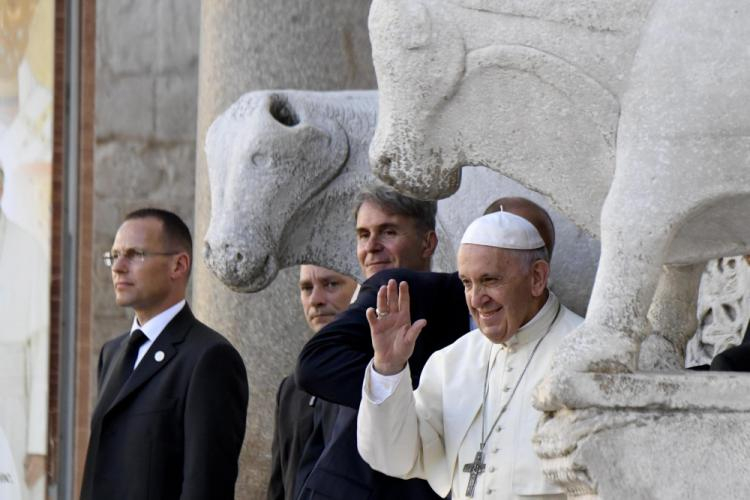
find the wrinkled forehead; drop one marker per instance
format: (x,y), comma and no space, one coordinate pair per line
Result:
(309,273)
(372,213)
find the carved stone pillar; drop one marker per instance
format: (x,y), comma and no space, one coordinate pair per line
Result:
(248,45)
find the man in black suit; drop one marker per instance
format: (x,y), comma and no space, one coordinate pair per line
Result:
(170,418)
(324,293)
(395,238)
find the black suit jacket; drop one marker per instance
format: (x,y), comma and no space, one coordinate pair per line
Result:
(175,430)
(332,366)
(293,426)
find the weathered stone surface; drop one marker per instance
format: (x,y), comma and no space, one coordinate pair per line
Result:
(684,390)
(644,455)
(639,436)
(318,45)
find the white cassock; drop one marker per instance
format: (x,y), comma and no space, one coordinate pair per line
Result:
(432,432)
(24,330)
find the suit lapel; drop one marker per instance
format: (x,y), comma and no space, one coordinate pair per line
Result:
(167,344)
(114,358)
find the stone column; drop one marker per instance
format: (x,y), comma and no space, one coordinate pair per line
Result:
(267,44)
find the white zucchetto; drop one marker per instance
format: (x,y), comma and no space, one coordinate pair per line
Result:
(503,230)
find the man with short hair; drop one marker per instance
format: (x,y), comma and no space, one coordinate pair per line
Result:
(467,428)
(395,237)
(324,293)
(394,231)
(170,417)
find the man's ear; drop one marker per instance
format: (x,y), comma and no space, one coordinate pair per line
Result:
(181,265)
(429,243)
(539,277)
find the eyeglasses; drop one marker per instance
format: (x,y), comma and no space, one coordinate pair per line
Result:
(132,255)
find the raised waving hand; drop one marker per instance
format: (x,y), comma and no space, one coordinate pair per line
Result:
(393,334)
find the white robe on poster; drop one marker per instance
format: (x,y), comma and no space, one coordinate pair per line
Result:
(24,309)
(432,432)
(9,480)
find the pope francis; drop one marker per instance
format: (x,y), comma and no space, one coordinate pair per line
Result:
(467,428)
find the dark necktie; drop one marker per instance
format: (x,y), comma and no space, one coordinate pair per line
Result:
(122,370)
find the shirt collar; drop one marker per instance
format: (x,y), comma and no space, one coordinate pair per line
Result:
(153,327)
(537,326)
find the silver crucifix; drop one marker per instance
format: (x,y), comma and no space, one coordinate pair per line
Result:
(474,469)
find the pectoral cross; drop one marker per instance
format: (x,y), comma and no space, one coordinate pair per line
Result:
(474,469)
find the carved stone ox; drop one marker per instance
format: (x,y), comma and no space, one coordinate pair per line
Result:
(283,169)
(643,102)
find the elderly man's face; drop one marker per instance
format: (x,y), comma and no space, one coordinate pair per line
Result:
(324,294)
(501,293)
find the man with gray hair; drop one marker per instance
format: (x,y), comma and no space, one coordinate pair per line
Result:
(467,428)
(394,231)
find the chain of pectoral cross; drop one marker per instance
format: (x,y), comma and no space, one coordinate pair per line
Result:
(478,466)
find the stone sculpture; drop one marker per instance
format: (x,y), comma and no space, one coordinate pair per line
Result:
(633,117)
(284,169)
(277,162)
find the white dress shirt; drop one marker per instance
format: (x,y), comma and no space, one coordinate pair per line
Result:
(153,328)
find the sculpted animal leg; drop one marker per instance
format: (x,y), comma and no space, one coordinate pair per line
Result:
(672,317)
(679,138)
(627,278)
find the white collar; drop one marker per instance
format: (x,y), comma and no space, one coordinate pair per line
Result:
(153,327)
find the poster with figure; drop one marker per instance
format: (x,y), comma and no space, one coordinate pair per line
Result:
(26,81)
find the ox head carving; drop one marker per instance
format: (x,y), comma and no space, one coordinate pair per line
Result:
(419,59)
(266,156)
(462,84)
